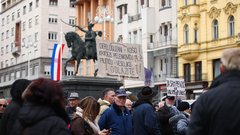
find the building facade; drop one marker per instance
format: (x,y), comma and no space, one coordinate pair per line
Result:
(29,29)
(153,25)
(205,29)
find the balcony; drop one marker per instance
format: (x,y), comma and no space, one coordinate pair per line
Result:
(16,51)
(195,78)
(189,51)
(134,18)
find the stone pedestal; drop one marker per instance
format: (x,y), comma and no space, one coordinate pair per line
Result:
(88,86)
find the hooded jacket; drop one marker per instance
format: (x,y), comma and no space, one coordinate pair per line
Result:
(39,120)
(104,104)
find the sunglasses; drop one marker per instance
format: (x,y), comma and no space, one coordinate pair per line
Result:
(3,105)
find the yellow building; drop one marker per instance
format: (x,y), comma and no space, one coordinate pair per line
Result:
(89,9)
(205,28)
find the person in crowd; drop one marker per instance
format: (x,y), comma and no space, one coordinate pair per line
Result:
(107,99)
(156,107)
(83,121)
(144,117)
(216,112)
(128,105)
(43,111)
(180,122)
(12,110)
(73,102)
(3,105)
(165,113)
(117,118)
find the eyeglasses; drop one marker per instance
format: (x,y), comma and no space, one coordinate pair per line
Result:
(3,105)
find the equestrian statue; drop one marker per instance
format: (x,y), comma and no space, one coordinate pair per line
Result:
(82,49)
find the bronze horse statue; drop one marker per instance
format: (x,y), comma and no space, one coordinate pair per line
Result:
(80,49)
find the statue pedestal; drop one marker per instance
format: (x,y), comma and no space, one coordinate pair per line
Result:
(88,86)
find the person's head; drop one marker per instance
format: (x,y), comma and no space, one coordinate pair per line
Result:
(17,89)
(90,26)
(230,60)
(108,94)
(146,94)
(73,99)
(45,92)
(3,105)
(170,100)
(120,98)
(184,106)
(90,107)
(128,104)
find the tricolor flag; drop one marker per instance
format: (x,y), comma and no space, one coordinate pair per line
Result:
(56,63)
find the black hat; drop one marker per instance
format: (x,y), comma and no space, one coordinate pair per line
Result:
(146,93)
(183,106)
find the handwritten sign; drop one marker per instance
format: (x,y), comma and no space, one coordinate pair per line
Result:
(175,87)
(118,59)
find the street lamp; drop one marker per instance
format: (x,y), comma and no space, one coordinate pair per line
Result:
(103,14)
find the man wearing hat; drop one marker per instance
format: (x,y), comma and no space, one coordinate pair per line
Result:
(117,118)
(73,102)
(144,117)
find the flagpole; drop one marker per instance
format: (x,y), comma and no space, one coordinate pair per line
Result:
(61,38)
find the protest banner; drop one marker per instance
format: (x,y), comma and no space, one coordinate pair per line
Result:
(175,87)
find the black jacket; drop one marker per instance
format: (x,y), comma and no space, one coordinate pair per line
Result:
(216,112)
(39,120)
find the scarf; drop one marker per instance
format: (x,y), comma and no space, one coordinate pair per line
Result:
(93,125)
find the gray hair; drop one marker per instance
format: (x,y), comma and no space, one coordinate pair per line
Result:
(3,100)
(231,59)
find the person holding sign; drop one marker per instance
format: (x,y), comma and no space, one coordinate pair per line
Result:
(216,112)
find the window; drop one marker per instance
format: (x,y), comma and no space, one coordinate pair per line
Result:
(30,6)
(135,37)
(18,13)
(13,16)
(72,20)
(36,20)
(52,19)
(24,10)
(231,25)
(37,3)
(36,37)
(88,67)
(151,38)
(52,35)
(186,34)
(198,71)
(195,35)
(71,3)
(8,19)
(185,2)
(53,2)
(7,48)
(163,3)
(7,34)
(3,21)
(216,68)
(125,9)
(187,72)
(6,63)
(2,50)
(30,23)
(120,13)
(24,26)
(194,2)
(142,2)
(129,37)
(215,30)
(2,38)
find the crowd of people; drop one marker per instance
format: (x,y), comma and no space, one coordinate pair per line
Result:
(38,107)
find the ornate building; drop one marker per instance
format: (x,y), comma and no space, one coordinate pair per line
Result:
(205,28)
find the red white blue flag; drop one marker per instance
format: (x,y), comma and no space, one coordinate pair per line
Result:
(56,63)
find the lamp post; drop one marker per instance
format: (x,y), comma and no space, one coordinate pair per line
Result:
(103,14)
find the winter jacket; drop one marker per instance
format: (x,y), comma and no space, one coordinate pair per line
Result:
(103,106)
(80,127)
(144,120)
(36,119)
(117,120)
(216,112)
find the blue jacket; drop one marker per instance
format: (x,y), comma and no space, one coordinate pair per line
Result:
(118,121)
(144,120)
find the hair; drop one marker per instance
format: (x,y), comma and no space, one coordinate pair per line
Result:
(230,59)
(105,91)
(3,100)
(90,107)
(17,89)
(44,91)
